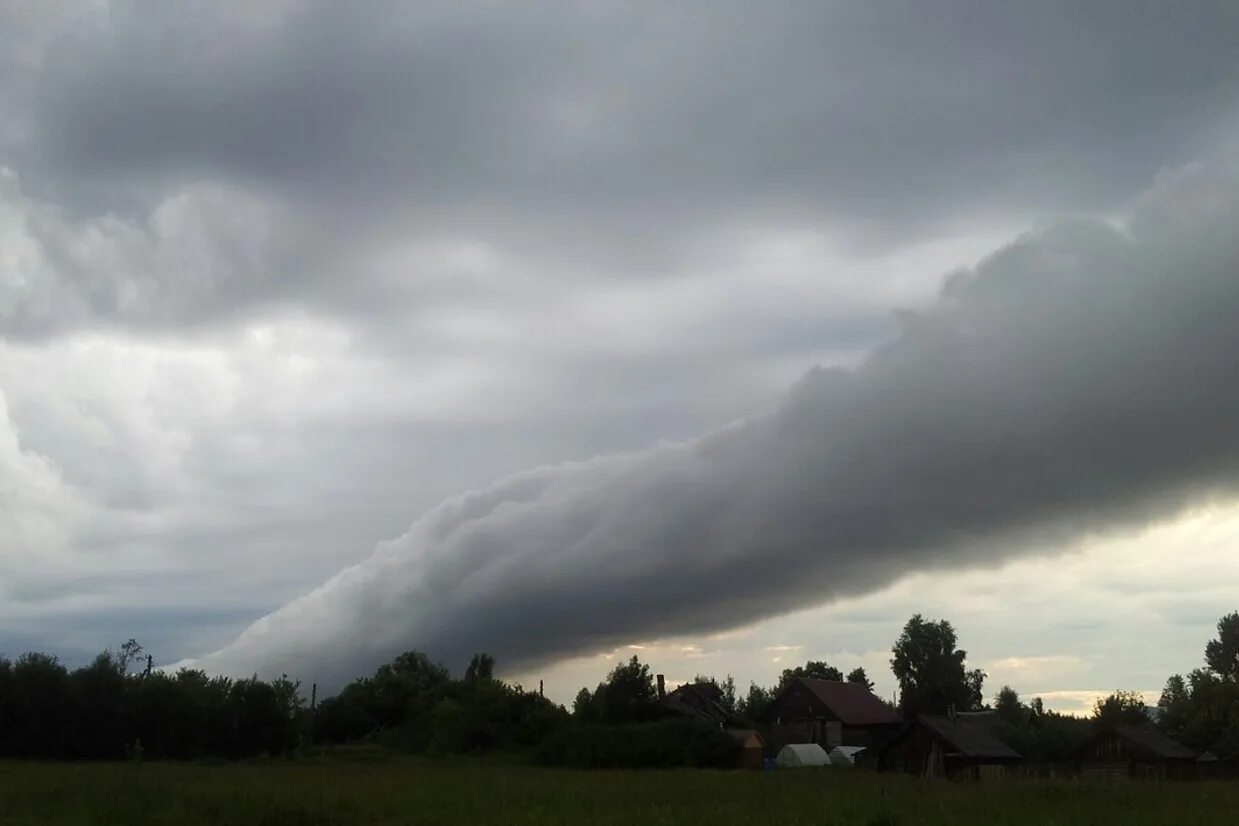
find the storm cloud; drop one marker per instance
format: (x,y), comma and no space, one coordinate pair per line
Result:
(1083,379)
(278,276)
(595,140)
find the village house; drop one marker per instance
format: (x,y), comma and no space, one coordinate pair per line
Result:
(828,713)
(1136,752)
(950,747)
(696,701)
(703,702)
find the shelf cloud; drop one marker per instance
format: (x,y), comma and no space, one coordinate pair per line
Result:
(1082,379)
(278,277)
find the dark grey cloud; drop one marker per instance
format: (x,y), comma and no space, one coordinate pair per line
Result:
(603,136)
(623,107)
(275,276)
(1082,379)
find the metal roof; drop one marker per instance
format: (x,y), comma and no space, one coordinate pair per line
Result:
(702,701)
(853,703)
(967,737)
(1153,740)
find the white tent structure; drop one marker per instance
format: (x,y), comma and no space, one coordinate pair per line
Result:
(801,755)
(845,755)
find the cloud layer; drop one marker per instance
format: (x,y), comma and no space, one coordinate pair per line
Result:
(278,275)
(194,164)
(1081,379)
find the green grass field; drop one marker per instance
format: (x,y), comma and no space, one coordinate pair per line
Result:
(461,790)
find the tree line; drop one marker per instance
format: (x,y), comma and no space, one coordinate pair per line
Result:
(103,711)
(107,710)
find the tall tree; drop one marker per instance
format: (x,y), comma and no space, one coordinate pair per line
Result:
(1203,709)
(628,695)
(858,675)
(1222,654)
(481,667)
(1120,708)
(1174,707)
(583,709)
(813,669)
(752,704)
(1008,706)
(931,671)
(130,653)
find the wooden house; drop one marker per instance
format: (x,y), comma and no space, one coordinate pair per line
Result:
(703,702)
(1136,752)
(947,747)
(695,701)
(828,713)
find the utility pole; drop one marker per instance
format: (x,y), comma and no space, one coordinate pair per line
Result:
(313,710)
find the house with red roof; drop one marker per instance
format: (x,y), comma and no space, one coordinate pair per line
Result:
(828,712)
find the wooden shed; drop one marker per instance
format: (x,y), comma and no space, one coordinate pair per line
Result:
(829,713)
(752,748)
(1136,752)
(949,747)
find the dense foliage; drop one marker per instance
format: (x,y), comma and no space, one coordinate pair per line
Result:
(414,705)
(670,743)
(105,711)
(1122,708)
(1044,738)
(931,672)
(626,696)
(101,711)
(1203,710)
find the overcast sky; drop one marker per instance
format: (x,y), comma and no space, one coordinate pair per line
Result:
(727,333)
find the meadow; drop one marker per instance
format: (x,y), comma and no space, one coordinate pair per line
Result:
(381,790)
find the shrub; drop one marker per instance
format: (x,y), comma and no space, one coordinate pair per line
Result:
(661,745)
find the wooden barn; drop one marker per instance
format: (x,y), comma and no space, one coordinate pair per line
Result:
(696,701)
(828,713)
(947,747)
(1136,752)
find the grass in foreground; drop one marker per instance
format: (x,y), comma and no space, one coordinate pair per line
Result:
(479,792)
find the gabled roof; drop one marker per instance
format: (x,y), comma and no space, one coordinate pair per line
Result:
(746,736)
(853,703)
(1154,741)
(700,701)
(967,737)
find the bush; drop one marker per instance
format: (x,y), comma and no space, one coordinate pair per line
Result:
(661,745)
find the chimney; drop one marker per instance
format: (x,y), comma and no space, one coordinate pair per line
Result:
(950,711)
(662,686)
